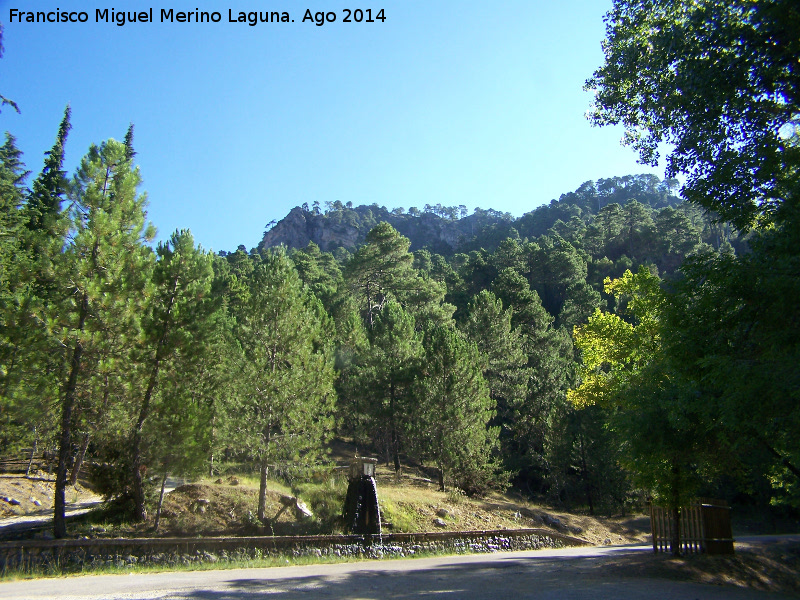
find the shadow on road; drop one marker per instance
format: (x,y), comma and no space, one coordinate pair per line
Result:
(620,575)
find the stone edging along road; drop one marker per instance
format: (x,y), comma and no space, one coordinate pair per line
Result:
(71,554)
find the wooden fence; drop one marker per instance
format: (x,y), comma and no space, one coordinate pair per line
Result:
(705,526)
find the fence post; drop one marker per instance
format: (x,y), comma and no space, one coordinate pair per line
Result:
(653,526)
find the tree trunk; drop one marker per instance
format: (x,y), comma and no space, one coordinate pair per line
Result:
(65,439)
(140,510)
(76,468)
(675,542)
(160,500)
(262,491)
(33,451)
(395,437)
(395,451)
(585,476)
(441,479)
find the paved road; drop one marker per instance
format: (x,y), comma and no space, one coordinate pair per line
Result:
(567,574)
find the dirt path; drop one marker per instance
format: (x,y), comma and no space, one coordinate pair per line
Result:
(28,515)
(570,574)
(27,502)
(44,516)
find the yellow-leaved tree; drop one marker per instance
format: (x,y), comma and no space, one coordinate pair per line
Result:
(652,407)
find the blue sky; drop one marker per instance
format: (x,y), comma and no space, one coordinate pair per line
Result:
(451,102)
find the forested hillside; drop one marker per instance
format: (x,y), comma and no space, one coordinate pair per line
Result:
(615,344)
(449,229)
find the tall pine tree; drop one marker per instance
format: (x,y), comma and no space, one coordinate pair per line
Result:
(103,271)
(450,427)
(286,396)
(181,280)
(387,372)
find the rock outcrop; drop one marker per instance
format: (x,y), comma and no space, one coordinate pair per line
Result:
(347,228)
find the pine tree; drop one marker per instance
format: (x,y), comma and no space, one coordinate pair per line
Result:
(50,187)
(450,425)
(501,347)
(387,372)
(549,363)
(286,395)
(15,263)
(130,153)
(382,269)
(34,353)
(181,278)
(194,386)
(103,271)
(319,272)
(12,194)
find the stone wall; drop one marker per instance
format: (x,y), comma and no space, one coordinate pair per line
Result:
(79,555)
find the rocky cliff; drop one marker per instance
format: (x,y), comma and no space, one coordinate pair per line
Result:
(347,228)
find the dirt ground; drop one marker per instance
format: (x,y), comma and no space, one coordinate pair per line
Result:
(20,496)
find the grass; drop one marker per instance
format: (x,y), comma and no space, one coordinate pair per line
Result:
(402,517)
(325,499)
(277,560)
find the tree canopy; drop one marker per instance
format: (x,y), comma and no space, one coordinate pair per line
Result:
(718,83)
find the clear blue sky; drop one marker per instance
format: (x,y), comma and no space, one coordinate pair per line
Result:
(453,102)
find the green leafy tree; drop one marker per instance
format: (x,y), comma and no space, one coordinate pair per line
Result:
(733,325)
(718,83)
(652,406)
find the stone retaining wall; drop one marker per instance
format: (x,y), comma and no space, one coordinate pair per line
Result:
(78,555)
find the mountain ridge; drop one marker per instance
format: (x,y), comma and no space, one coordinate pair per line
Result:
(447,230)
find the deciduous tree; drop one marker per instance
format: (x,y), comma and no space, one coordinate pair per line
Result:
(717,82)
